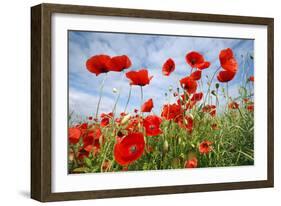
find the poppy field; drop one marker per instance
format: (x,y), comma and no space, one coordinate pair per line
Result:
(203,120)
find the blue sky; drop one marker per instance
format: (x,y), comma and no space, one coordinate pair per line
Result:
(145,51)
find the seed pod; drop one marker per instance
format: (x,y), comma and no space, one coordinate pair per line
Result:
(213,92)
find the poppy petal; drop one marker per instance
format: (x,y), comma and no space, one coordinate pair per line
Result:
(168,67)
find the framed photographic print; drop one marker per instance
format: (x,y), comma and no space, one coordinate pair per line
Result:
(130,102)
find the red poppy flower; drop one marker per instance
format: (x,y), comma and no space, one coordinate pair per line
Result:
(186,123)
(85,151)
(98,64)
(90,118)
(196,75)
(228,61)
(119,63)
(250,107)
(168,67)
(211,109)
(189,84)
(105,119)
(246,100)
(225,76)
(214,126)
(194,59)
(133,124)
(233,105)
(140,77)
(123,114)
(191,163)
(129,148)
(92,137)
(74,135)
(171,111)
(205,147)
(147,106)
(204,65)
(83,127)
(251,79)
(152,125)
(197,97)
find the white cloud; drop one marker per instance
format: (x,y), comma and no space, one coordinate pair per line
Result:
(145,51)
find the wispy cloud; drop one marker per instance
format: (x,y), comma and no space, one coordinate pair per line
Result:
(145,51)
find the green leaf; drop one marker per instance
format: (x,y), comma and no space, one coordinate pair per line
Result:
(80,170)
(88,162)
(243,91)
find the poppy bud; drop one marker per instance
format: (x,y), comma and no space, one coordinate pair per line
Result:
(179,140)
(125,119)
(217,85)
(114,90)
(213,92)
(165,146)
(170,88)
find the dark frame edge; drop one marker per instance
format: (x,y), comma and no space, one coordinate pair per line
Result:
(36,139)
(101,194)
(270,99)
(40,103)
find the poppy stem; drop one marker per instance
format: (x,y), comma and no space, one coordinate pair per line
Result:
(209,88)
(116,101)
(227,95)
(129,97)
(141,102)
(75,156)
(100,95)
(118,97)
(217,99)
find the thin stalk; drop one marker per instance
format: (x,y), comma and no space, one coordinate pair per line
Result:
(119,92)
(141,101)
(75,157)
(227,95)
(209,88)
(100,95)
(217,99)
(129,97)
(116,101)
(141,113)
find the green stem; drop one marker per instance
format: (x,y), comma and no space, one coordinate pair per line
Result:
(141,101)
(117,99)
(100,95)
(129,97)
(209,88)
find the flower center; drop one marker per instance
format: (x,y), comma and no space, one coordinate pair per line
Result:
(151,127)
(133,149)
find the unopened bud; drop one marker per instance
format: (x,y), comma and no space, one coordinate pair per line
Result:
(166,146)
(125,119)
(114,90)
